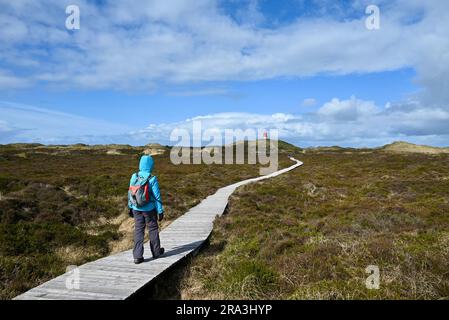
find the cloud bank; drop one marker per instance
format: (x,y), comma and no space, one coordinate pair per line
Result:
(351,122)
(142,45)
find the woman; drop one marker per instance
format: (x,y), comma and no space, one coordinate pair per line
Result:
(146,209)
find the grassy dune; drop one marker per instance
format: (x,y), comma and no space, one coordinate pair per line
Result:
(64,205)
(311,233)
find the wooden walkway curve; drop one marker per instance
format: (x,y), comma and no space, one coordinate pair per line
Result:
(116,277)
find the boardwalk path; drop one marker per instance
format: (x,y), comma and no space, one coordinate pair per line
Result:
(116,277)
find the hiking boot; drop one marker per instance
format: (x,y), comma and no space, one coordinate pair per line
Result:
(161,252)
(137,261)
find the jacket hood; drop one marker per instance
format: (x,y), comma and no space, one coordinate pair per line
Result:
(146,164)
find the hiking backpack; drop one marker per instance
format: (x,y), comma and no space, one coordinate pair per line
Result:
(139,191)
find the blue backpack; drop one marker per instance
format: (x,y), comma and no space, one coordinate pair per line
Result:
(139,191)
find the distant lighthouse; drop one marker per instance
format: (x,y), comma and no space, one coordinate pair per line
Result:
(265,135)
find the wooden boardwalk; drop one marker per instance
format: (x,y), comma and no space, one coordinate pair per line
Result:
(116,277)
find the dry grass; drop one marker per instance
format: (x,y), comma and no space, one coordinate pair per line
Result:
(413,148)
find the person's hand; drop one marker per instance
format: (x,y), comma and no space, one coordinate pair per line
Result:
(131,213)
(160,216)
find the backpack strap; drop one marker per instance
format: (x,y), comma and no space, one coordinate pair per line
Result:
(149,189)
(152,195)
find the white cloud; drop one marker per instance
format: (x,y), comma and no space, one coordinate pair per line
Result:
(351,122)
(222,92)
(9,81)
(12,29)
(348,110)
(139,45)
(309,102)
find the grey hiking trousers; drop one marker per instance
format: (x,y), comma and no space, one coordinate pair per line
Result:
(149,219)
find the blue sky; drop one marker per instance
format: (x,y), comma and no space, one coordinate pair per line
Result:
(136,70)
(176,104)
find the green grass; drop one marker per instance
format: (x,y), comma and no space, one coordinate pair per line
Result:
(311,233)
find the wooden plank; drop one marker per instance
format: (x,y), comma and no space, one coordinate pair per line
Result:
(116,277)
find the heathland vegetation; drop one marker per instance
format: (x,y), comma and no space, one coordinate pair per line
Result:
(308,234)
(66,205)
(311,233)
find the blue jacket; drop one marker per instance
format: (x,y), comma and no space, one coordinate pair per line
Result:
(145,167)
